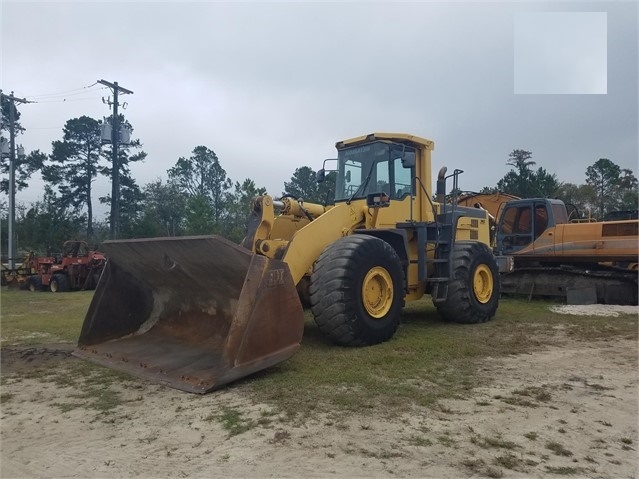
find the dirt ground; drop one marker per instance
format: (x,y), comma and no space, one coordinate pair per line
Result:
(558,411)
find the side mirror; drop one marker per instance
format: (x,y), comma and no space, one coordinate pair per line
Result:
(408,161)
(348,176)
(321,175)
(399,152)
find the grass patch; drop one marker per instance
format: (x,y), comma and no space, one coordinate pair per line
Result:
(420,441)
(558,449)
(565,470)
(91,384)
(493,442)
(427,361)
(479,467)
(538,393)
(524,397)
(33,318)
(68,406)
(384,454)
(509,461)
(446,441)
(234,423)
(475,465)
(100,398)
(518,401)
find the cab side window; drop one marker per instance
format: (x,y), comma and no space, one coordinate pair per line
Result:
(524,222)
(541,220)
(403,179)
(517,226)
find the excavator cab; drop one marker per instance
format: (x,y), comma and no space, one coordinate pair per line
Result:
(522,222)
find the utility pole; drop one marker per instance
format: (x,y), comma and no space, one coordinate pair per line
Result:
(115,173)
(12,176)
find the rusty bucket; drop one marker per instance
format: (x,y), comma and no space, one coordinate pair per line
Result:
(193,313)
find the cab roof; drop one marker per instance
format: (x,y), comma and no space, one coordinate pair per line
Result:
(417,141)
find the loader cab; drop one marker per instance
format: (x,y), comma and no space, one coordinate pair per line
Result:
(375,167)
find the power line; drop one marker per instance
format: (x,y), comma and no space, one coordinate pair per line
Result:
(66,92)
(66,100)
(43,127)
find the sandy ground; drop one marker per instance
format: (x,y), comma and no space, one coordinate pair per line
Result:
(559,411)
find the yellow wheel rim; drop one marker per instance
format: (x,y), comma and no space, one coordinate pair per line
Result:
(483,283)
(377,292)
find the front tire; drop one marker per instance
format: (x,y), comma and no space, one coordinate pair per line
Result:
(59,283)
(357,291)
(35,283)
(473,290)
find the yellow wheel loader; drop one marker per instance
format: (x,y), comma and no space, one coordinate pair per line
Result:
(196,313)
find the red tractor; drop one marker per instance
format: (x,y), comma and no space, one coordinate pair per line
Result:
(77,268)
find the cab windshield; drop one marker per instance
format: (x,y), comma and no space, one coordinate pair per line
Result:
(373,168)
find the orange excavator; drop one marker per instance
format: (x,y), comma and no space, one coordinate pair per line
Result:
(542,251)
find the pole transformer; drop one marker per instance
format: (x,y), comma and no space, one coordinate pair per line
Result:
(114,225)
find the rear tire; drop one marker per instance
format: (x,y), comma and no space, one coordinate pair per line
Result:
(357,291)
(35,283)
(59,284)
(473,291)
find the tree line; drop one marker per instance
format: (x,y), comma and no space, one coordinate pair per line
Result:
(608,187)
(198,197)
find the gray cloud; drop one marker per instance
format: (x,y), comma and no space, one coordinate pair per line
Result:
(560,52)
(272,86)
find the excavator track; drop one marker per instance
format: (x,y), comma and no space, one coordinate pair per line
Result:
(594,285)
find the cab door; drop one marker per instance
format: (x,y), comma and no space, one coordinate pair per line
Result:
(543,234)
(515,230)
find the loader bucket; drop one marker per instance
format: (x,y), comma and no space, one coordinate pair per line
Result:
(193,313)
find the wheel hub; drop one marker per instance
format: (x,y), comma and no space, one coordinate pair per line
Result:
(377,292)
(483,283)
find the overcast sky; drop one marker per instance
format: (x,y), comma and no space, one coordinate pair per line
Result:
(272,86)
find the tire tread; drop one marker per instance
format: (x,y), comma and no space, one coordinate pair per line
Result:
(460,305)
(334,298)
